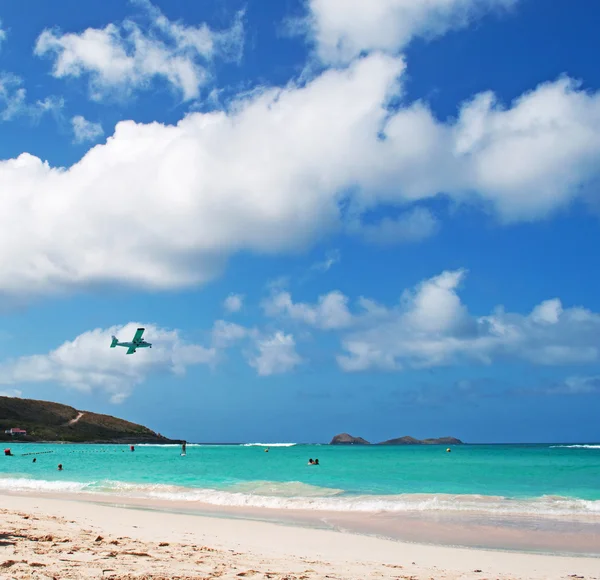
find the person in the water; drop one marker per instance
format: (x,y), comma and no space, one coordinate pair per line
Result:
(60,467)
(310,461)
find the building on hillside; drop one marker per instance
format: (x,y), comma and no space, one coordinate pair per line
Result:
(16,431)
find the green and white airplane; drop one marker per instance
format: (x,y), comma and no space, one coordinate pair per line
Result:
(137,342)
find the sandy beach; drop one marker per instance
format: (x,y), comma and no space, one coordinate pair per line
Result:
(61,538)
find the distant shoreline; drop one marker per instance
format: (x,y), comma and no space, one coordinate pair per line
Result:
(105,442)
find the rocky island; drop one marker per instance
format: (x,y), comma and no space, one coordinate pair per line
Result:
(346,439)
(407,440)
(28,420)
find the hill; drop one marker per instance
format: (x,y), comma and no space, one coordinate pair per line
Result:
(346,439)
(46,421)
(407,440)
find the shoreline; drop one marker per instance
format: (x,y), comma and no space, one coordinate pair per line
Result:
(464,530)
(63,538)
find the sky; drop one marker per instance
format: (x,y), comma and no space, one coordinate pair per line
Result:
(330,216)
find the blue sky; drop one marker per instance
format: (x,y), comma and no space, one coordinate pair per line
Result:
(381,220)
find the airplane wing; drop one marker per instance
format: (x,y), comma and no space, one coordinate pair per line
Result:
(138,335)
(131,350)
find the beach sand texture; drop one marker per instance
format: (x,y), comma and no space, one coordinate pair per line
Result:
(44,538)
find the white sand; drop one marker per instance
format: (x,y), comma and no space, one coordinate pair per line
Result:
(57,538)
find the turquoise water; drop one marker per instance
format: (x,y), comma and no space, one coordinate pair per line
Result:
(553,480)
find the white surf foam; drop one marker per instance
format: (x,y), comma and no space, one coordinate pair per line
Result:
(26,484)
(574,446)
(168,445)
(268,444)
(301,496)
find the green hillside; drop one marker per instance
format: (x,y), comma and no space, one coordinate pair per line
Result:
(46,421)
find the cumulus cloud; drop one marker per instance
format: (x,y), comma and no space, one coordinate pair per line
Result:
(85,130)
(330,312)
(548,139)
(87,363)
(268,353)
(125,57)
(234,302)
(432,327)
(192,194)
(226,334)
(276,354)
(343,29)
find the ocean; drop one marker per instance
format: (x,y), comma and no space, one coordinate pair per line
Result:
(556,481)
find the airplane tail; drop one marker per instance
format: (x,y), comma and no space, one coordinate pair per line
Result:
(114,342)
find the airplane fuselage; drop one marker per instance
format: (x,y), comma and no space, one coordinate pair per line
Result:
(134,344)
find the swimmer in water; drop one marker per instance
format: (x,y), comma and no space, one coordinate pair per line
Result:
(316,462)
(34,459)
(60,467)
(310,461)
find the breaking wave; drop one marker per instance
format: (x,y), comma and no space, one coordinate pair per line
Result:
(168,445)
(574,446)
(268,444)
(301,496)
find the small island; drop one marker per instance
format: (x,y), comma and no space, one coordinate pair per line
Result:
(28,420)
(347,439)
(407,440)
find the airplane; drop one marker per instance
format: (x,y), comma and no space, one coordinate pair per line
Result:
(137,342)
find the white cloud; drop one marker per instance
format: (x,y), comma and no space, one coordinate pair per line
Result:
(343,29)
(268,354)
(432,327)
(234,302)
(412,226)
(12,96)
(331,310)
(125,57)
(2,34)
(13,100)
(575,386)
(88,362)
(12,393)
(162,207)
(226,334)
(276,354)
(548,138)
(85,130)
(333,257)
